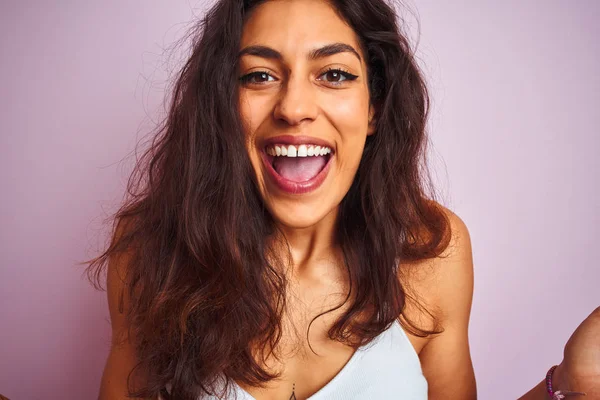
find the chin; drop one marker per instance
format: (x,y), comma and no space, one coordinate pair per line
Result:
(301,215)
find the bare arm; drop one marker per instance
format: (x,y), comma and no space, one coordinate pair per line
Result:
(579,370)
(121,358)
(447,284)
(539,391)
(446,358)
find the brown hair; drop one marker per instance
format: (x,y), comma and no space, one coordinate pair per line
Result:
(203,283)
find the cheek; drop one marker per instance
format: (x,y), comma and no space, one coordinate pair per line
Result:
(349,112)
(253,111)
(245,110)
(350,118)
(250,120)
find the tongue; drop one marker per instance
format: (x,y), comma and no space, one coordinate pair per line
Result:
(299,169)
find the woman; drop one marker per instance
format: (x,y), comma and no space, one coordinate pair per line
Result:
(280,242)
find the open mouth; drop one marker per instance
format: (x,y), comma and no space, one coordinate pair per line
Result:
(298,163)
(297,168)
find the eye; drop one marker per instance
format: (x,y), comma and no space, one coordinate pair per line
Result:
(262,76)
(338,76)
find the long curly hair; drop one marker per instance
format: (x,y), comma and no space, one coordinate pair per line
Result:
(205,286)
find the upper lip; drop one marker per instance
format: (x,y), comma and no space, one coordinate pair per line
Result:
(296,140)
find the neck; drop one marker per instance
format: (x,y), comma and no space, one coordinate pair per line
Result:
(310,247)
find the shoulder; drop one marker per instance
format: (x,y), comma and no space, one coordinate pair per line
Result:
(442,285)
(121,358)
(453,274)
(445,285)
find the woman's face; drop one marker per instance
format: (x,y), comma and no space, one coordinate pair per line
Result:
(304,102)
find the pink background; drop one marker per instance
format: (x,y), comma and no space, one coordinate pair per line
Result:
(516,94)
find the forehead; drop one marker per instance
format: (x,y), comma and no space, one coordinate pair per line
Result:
(294,27)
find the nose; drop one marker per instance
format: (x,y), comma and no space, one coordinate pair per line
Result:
(296,102)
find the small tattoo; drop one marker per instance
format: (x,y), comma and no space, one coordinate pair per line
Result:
(293,396)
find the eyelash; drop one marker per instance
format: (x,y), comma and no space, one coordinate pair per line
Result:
(347,75)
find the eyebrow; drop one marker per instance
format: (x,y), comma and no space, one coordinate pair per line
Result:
(315,54)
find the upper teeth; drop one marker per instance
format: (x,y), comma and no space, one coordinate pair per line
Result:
(302,150)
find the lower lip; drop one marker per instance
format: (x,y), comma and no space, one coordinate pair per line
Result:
(296,187)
